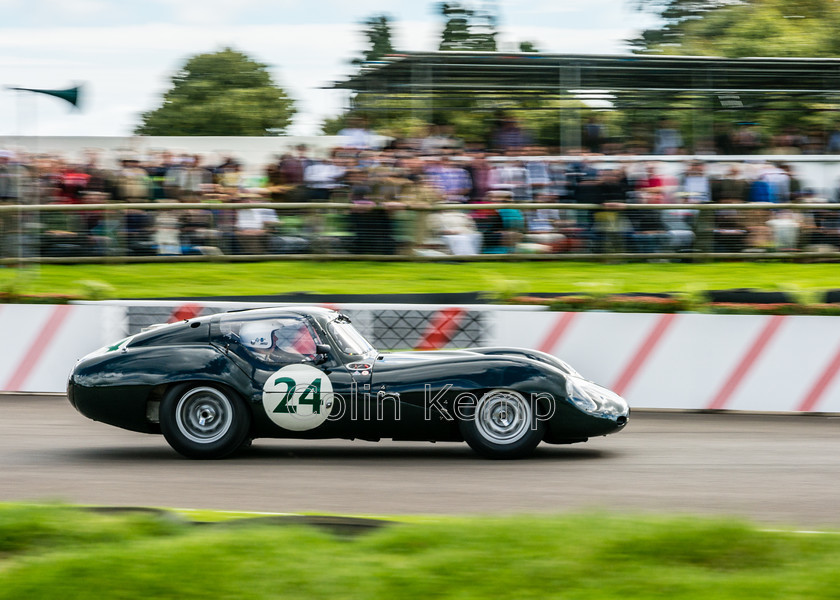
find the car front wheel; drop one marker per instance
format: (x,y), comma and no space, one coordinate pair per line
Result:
(502,425)
(203,421)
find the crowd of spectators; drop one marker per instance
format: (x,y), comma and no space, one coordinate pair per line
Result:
(733,139)
(424,197)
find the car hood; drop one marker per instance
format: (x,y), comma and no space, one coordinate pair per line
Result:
(393,358)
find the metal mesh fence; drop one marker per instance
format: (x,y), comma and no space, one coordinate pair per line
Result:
(397,231)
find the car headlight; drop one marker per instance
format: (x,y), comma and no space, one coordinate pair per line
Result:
(594,399)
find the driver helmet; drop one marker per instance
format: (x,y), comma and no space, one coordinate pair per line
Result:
(257,334)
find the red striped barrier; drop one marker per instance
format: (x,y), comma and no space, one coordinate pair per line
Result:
(685,361)
(189,310)
(38,347)
(555,334)
(441,330)
(643,353)
(747,362)
(42,343)
(815,394)
(692,361)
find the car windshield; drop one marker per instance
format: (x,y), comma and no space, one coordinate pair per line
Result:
(350,341)
(273,340)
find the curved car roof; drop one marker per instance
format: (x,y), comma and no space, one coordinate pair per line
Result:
(316,312)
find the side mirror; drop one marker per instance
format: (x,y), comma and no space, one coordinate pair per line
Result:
(322,353)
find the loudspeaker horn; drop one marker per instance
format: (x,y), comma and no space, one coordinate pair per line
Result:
(71,95)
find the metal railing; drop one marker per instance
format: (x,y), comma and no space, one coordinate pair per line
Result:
(227,232)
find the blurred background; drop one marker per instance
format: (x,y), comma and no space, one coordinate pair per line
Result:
(443,129)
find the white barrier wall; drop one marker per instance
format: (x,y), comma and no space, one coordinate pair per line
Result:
(693,361)
(42,343)
(682,361)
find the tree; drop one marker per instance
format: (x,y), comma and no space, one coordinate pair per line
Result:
(676,15)
(741,28)
(467,29)
(378,33)
(528,46)
(222,93)
(737,28)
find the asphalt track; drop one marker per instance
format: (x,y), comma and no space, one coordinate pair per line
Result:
(769,468)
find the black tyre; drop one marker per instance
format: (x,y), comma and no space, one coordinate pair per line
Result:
(502,425)
(204,421)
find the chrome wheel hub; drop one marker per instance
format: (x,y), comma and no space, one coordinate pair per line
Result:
(502,416)
(204,415)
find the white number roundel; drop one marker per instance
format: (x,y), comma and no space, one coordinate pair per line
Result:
(298,397)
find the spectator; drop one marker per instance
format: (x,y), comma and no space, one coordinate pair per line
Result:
(383,184)
(543,227)
(833,143)
(439,140)
(167,238)
(457,230)
(133,184)
(11,173)
(99,178)
(449,179)
(229,178)
(253,228)
(196,180)
(512,224)
(539,177)
(731,188)
(648,233)
(356,135)
(759,190)
(593,135)
(290,178)
(730,229)
(778,182)
(322,178)
(507,136)
(695,187)
(667,138)
(785,226)
(512,177)
(478,171)
(746,139)
(610,226)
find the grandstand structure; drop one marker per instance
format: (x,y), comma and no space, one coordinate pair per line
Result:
(436,81)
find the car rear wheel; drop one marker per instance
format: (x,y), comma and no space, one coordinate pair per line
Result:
(502,425)
(203,421)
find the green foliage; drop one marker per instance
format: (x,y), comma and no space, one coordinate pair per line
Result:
(472,119)
(467,29)
(591,556)
(223,93)
(28,529)
(378,33)
(734,547)
(675,16)
(745,28)
(332,125)
(15,281)
(185,280)
(96,290)
(737,28)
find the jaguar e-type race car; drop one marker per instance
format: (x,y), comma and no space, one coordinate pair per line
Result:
(213,384)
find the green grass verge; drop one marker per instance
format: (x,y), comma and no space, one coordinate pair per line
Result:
(501,279)
(77,555)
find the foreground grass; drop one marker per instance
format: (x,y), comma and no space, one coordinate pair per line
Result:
(581,557)
(197,280)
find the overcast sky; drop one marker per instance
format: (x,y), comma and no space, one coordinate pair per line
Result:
(125,52)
